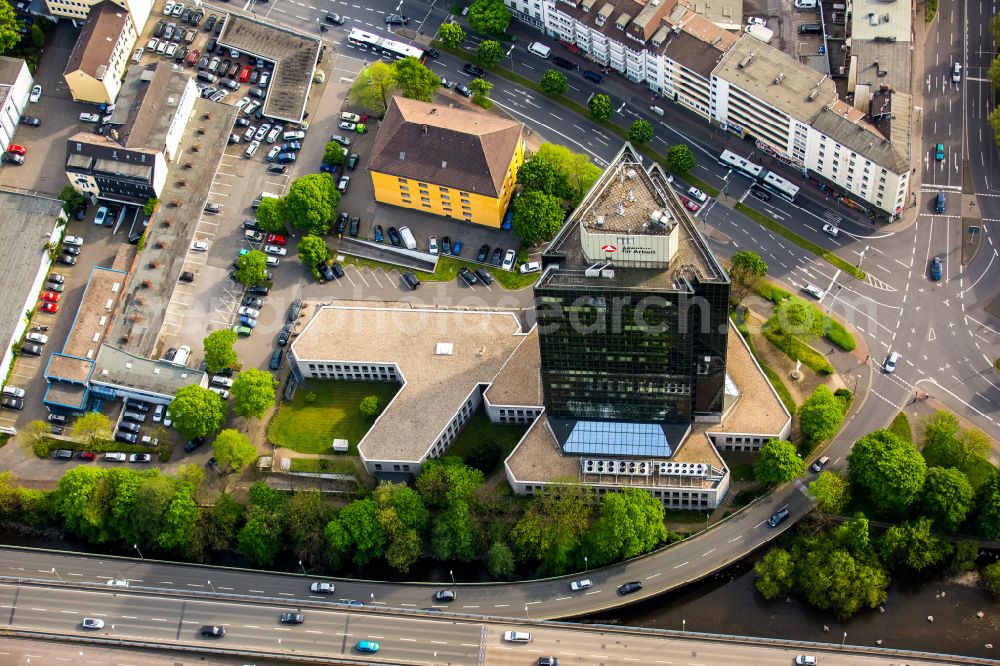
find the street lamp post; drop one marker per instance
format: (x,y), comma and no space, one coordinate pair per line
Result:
(373,597)
(843,640)
(452,574)
(136,546)
(303,568)
(119,636)
(684,624)
(509,54)
(211,586)
(57,575)
(586,565)
(526,611)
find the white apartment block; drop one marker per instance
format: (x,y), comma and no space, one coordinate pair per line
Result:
(744,86)
(78,11)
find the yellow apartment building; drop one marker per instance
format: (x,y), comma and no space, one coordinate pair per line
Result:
(446,161)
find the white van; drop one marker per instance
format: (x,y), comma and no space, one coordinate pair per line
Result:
(293,135)
(517,636)
(408,240)
(539,49)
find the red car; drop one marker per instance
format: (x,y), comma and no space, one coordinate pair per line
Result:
(50,296)
(88,455)
(690,205)
(245,74)
(275,239)
(193,57)
(51,308)
(17,150)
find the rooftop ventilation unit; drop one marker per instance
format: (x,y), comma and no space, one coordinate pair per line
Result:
(631,174)
(444,349)
(621,210)
(746,60)
(683,469)
(599,222)
(814,94)
(779,78)
(616,467)
(596,269)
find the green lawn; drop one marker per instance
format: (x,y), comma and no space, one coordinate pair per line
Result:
(311,428)
(480,428)
(325,465)
(447,269)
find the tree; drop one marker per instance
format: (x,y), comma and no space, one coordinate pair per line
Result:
(233,450)
(405,502)
(489,52)
(71,199)
(217,525)
(778,462)
(484,455)
(481,91)
(640,132)
(600,108)
(253,392)
(680,159)
(415,80)
(554,83)
(947,445)
(453,534)
(35,431)
(831,492)
(312,250)
(537,217)
(10,28)
(451,35)
(993,73)
(578,173)
(333,154)
(272,213)
(489,17)
(307,515)
(311,202)
(987,508)
(37,36)
(746,270)
(219,352)
(445,481)
(774,573)
(372,87)
(991,577)
(798,319)
(91,426)
(831,578)
(914,545)
(854,535)
(540,174)
(150,206)
(261,540)
(370,407)
(364,533)
(820,415)
(630,524)
(994,120)
(197,412)
(891,470)
(553,527)
(180,520)
(251,268)
(947,497)
(500,561)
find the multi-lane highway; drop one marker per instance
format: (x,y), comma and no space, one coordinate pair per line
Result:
(333,632)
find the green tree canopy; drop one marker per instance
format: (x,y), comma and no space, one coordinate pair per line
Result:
(271,215)
(91,426)
(578,173)
(219,352)
(71,199)
(820,414)
(987,508)
(774,574)
(489,17)
(445,481)
(500,561)
(640,132)
(370,407)
(540,174)
(10,28)
(489,52)
(680,159)
(307,514)
(831,491)
(553,527)
(253,392)
(947,445)
(913,544)
(537,217)
(373,87)
(991,577)
(829,577)
(554,82)
(453,536)
(600,107)
(360,531)
(261,538)
(311,202)
(197,412)
(947,497)
(630,524)
(233,450)
(251,268)
(312,250)
(415,80)
(854,535)
(778,462)
(746,270)
(451,35)
(797,318)
(333,154)
(480,88)
(891,470)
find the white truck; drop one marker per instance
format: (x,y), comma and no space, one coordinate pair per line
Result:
(760,32)
(408,240)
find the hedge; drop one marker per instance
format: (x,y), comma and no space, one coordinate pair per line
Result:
(838,335)
(771,292)
(796,350)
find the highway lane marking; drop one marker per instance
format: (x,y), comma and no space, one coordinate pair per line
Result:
(158,619)
(501,606)
(470,606)
(129,617)
(340,634)
(410,605)
(74,574)
(381,638)
(286,594)
(195,585)
(41,610)
(314,631)
(655,575)
(562,598)
(736,539)
(282,629)
(440,642)
(410,640)
(528,603)
(262,592)
(70,612)
(707,552)
(680,565)
(594,592)
(225,588)
(251,626)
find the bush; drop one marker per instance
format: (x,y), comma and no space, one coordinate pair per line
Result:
(991,576)
(845,397)
(310,398)
(370,407)
(484,455)
(795,349)
(838,335)
(744,497)
(771,292)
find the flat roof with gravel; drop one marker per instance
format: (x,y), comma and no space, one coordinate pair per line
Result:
(293,53)
(436,381)
(519,382)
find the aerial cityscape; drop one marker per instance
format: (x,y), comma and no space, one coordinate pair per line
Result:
(500,332)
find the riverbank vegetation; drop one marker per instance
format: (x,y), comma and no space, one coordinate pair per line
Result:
(894,513)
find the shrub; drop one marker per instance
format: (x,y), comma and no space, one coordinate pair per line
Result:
(771,292)
(797,350)
(370,407)
(838,335)
(310,398)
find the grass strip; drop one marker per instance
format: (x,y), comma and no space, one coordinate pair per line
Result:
(447,269)
(324,465)
(900,426)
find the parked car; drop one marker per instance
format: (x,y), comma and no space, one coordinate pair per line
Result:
(936,269)
(394,237)
(275,360)
(820,464)
(484,275)
(140,458)
(463,89)
(508,260)
(31,349)
(467,276)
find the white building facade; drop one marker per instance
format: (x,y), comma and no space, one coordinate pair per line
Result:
(15,86)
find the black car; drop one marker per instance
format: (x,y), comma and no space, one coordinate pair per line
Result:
(473,70)
(777,518)
(57,278)
(294,309)
(355,226)
(463,90)
(484,275)
(275,360)
(433,53)
(209,630)
(31,349)
(71,249)
(181,54)
(186,15)
(484,251)
(138,406)
(335,19)
(284,334)
(193,444)
(67,260)
(562,62)
(341,223)
(12,403)
(30,121)
(630,587)
(80,213)
(253,302)
(210,23)
(292,618)
(161,27)
(325,271)
(763,195)
(396,19)
(497,256)
(394,236)
(259,290)
(411,279)
(251,224)
(338,270)
(468,276)
(277,168)
(186,276)
(446,245)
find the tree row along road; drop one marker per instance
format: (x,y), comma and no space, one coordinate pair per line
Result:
(333,633)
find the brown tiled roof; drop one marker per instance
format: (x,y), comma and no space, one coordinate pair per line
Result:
(97,40)
(445,146)
(698,56)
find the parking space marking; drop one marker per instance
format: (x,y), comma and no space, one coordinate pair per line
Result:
(360,277)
